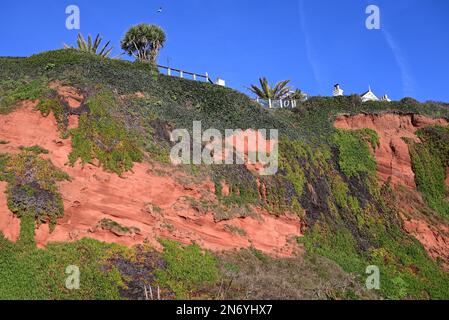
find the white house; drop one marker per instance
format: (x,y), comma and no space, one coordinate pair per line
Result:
(337,92)
(369,96)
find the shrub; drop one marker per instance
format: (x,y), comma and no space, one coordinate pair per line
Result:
(102,136)
(35,149)
(355,157)
(429,161)
(188,268)
(32,189)
(92,46)
(12,92)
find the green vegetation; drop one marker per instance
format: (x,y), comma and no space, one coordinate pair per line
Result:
(92,46)
(32,189)
(406,270)
(30,273)
(52,105)
(326,176)
(11,92)
(116,228)
(144,41)
(355,157)
(359,237)
(266,92)
(248,274)
(188,268)
(430,160)
(102,136)
(34,149)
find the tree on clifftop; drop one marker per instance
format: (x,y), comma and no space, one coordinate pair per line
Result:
(144,42)
(265,91)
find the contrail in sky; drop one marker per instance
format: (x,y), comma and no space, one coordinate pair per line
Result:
(310,55)
(408,83)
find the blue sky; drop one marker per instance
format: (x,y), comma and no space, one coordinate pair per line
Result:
(314,43)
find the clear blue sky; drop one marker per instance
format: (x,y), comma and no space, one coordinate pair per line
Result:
(315,43)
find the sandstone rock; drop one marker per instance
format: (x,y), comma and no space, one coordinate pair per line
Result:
(392,156)
(434,239)
(101,193)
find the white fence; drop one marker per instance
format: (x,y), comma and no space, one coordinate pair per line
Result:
(186,74)
(278,104)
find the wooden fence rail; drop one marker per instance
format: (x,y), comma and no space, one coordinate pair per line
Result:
(183,74)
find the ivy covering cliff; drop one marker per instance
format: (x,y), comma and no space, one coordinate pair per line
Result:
(326,176)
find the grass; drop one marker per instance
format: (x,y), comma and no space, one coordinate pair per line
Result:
(12,92)
(249,275)
(34,149)
(29,273)
(188,269)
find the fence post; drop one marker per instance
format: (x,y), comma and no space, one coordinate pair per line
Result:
(269,104)
(194,76)
(169,71)
(181,74)
(207,77)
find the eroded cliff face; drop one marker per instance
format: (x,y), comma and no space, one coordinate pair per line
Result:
(392,156)
(434,238)
(153,200)
(393,161)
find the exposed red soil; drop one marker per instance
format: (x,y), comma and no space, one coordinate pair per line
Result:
(393,161)
(393,157)
(434,239)
(93,195)
(246,144)
(9,224)
(69,94)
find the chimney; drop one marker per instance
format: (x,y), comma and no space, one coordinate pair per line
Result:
(337,92)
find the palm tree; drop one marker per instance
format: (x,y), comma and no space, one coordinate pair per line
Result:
(92,46)
(266,92)
(297,95)
(144,41)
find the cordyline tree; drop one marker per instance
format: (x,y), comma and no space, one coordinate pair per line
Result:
(265,91)
(144,41)
(92,46)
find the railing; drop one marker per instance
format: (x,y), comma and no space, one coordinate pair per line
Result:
(182,74)
(279,104)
